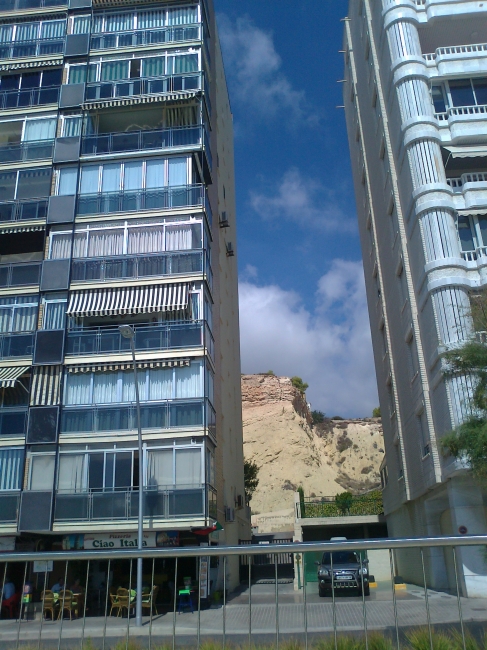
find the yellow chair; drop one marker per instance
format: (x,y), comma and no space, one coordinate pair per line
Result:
(115,604)
(149,599)
(49,603)
(123,599)
(65,603)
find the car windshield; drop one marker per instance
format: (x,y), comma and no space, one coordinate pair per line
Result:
(340,557)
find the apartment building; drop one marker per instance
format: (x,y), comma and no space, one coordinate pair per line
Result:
(117,207)
(415,97)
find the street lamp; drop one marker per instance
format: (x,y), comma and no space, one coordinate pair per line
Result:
(128,333)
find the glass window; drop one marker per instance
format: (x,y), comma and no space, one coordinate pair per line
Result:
(89,179)
(34,183)
(52,77)
(182,16)
(18,314)
(111,177)
(72,126)
(114,70)
(26,32)
(81,24)
(60,245)
(31,80)
(182,64)
(188,467)
(160,468)
(54,314)
(480,87)
(150,18)
(438,99)
(44,129)
(11,469)
(465,233)
(483,229)
(68,179)
(77,74)
(71,472)
(53,29)
(154,66)
(8,181)
(462,93)
(42,472)
(119,22)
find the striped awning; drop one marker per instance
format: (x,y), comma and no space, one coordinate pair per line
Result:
(171,98)
(129,300)
(8,376)
(38,63)
(141,365)
(46,384)
(11,229)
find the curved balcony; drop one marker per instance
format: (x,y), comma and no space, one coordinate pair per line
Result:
(27,49)
(144,37)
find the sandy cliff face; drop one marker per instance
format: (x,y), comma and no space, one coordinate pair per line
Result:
(324,459)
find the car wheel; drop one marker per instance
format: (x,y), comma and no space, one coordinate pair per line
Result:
(366,590)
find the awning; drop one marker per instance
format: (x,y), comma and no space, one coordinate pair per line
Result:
(46,386)
(170,98)
(8,376)
(129,300)
(476,151)
(141,365)
(11,229)
(38,63)
(472,212)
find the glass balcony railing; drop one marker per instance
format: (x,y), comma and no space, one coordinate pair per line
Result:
(107,340)
(26,151)
(13,422)
(23,210)
(137,266)
(121,417)
(156,36)
(16,345)
(184,136)
(29,97)
(13,5)
(146,86)
(181,502)
(9,507)
(137,200)
(24,49)
(18,275)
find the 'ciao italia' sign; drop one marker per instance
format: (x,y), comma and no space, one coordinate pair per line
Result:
(130,540)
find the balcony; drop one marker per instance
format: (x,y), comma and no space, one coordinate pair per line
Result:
(123,418)
(28,49)
(16,345)
(170,503)
(147,86)
(143,37)
(19,275)
(108,340)
(29,97)
(26,210)
(26,151)
(137,267)
(9,507)
(13,422)
(367,504)
(473,186)
(16,5)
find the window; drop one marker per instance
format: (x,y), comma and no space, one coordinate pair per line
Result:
(54,313)
(25,32)
(18,313)
(41,476)
(423,434)
(25,184)
(144,19)
(384,476)
(438,97)
(11,469)
(15,396)
(460,92)
(413,357)
(176,466)
(31,80)
(155,384)
(466,233)
(81,24)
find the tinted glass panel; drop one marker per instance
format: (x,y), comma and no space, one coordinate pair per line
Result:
(31,80)
(96,471)
(10,82)
(7,186)
(52,78)
(480,86)
(438,99)
(483,229)
(42,424)
(465,233)
(462,93)
(34,182)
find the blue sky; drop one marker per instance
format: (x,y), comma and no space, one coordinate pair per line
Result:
(302,300)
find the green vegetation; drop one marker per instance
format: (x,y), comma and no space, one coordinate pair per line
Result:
(344,502)
(270,372)
(318,417)
(376,412)
(365,504)
(251,470)
(298,383)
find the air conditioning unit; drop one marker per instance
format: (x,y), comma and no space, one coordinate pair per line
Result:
(224,220)
(229,514)
(239,501)
(230,251)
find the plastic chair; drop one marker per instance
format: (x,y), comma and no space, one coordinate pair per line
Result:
(185,600)
(11,605)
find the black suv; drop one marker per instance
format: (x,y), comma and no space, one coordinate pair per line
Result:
(348,573)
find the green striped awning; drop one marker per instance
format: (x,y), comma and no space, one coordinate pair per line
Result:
(9,375)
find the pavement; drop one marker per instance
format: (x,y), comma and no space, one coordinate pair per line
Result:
(257,611)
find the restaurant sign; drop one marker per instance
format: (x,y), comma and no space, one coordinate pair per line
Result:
(151,539)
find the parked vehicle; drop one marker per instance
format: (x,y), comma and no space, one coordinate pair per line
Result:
(349,572)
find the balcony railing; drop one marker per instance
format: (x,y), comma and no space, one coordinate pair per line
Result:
(367,504)
(480,109)
(148,86)
(16,345)
(9,507)
(18,275)
(161,415)
(180,502)
(23,210)
(457,183)
(134,201)
(137,267)
(25,49)
(102,340)
(175,34)
(26,151)
(13,422)
(457,51)
(13,5)
(29,97)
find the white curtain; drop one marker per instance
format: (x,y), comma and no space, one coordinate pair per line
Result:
(89,179)
(6,32)
(53,29)
(27,32)
(105,388)
(150,19)
(119,22)
(132,176)
(105,242)
(145,240)
(24,319)
(78,388)
(98,24)
(179,238)
(178,172)
(54,315)
(155,176)
(71,472)
(160,468)
(182,63)
(72,126)
(182,16)
(5,319)
(11,468)
(81,24)
(60,246)
(111,178)
(68,179)
(189,381)
(161,384)
(42,472)
(188,466)
(40,129)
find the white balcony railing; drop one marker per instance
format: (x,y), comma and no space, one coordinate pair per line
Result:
(457,51)
(462,111)
(458,182)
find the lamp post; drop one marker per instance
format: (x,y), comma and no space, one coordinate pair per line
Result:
(128,332)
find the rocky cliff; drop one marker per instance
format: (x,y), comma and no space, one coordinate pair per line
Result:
(325,459)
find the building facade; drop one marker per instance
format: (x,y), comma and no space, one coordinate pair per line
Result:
(415,98)
(117,206)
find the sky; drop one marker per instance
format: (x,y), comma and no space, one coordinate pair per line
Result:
(302,298)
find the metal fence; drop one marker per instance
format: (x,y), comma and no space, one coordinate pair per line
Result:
(191,611)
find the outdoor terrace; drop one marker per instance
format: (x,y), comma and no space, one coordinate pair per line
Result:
(366,504)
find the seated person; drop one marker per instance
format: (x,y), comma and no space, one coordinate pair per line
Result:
(8,588)
(76,588)
(59,586)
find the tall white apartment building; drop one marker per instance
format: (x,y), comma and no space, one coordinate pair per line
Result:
(415,95)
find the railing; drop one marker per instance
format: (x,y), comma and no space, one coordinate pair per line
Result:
(161,415)
(183,136)
(23,210)
(25,49)
(417,616)
(456,50)
(9,5)
(182,502)
(103,340)
(137,38)
(134,201)
(136,267)
(458,182)
(13,422)
(9,507)
(18,275)
(16,345)
(26,151)
(367,504)
(146,86)
(29,97)
(480,109)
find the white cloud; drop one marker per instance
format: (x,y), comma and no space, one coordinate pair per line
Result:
(253,69)
(303,200)
(329,348)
